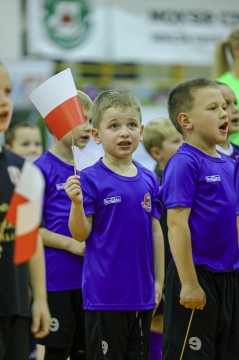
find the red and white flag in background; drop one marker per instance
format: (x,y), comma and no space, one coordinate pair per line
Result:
(58,103)
(25,211)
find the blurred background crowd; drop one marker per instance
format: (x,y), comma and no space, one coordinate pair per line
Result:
(142,46)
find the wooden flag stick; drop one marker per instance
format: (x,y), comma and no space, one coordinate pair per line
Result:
(186,337)
(73,151)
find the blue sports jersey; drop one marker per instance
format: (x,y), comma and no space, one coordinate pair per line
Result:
(63,269)
(204,183)
(118,269)
(236,177)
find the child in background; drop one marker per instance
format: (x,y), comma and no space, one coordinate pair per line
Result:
(15,309)
(64,255)
(226,66)
(227,148)
(161,140)
(124,262)
(24,139)
(198,192)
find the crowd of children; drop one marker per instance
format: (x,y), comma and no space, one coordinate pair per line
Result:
(113,230)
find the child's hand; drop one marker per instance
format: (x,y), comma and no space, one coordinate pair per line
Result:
(158,294)
(40,319)
(192,297)
(73,189)
(76,247)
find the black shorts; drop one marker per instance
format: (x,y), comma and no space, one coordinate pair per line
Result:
(117,335)
(214,331)
(14,337)
(67,327)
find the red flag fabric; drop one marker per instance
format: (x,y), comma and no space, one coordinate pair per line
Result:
(25,211)
(58,103)
(17,199)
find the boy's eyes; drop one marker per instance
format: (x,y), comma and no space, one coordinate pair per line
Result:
(115,125)
(8,91)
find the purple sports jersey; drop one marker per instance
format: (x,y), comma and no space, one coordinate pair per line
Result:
(204,183)
(63,269)
(237,185)
(118,269)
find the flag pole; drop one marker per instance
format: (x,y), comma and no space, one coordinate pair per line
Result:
(73,151)
(185,340)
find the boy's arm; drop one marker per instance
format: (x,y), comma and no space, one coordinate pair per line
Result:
(79,224)
(192,295)
(158,259)
(40,312)
(62,242)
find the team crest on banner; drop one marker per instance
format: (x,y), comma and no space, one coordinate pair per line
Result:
(67,21)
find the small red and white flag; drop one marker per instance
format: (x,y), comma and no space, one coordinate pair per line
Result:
(58,103)
(25,211)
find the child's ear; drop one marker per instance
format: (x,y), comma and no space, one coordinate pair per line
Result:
(141,132)
(96,136)
(184,121)
(155,153)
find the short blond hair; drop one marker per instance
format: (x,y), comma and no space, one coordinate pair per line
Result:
(156,131)
(106,99)
(85,101)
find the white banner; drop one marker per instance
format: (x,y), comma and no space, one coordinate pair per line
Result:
(152,31)
(67,30)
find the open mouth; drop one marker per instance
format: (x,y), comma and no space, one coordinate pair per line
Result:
(86,137)
(124,143)
(224,126)
(235,121)
(4,115)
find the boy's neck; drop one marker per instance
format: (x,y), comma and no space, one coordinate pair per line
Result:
(225,145)
(208,150)
(124,167)
(64,153)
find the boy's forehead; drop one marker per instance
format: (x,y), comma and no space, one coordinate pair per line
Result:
(207,94)
(4,76)
(119,111)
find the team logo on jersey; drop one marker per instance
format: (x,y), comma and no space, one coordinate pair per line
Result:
(67,21)
(147,202)
(14,174)
(213,178)
(112,200)
(60,186)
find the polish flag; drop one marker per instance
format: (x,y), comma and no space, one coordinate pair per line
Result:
(25,211)
(58,103)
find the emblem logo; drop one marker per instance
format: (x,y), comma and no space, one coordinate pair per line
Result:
(147,202)
(67,21)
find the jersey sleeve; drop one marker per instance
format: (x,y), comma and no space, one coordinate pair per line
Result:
(236,178)
(179,181)
(89,194)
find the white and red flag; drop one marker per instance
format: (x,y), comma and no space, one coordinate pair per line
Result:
(58,103)
(25,211)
